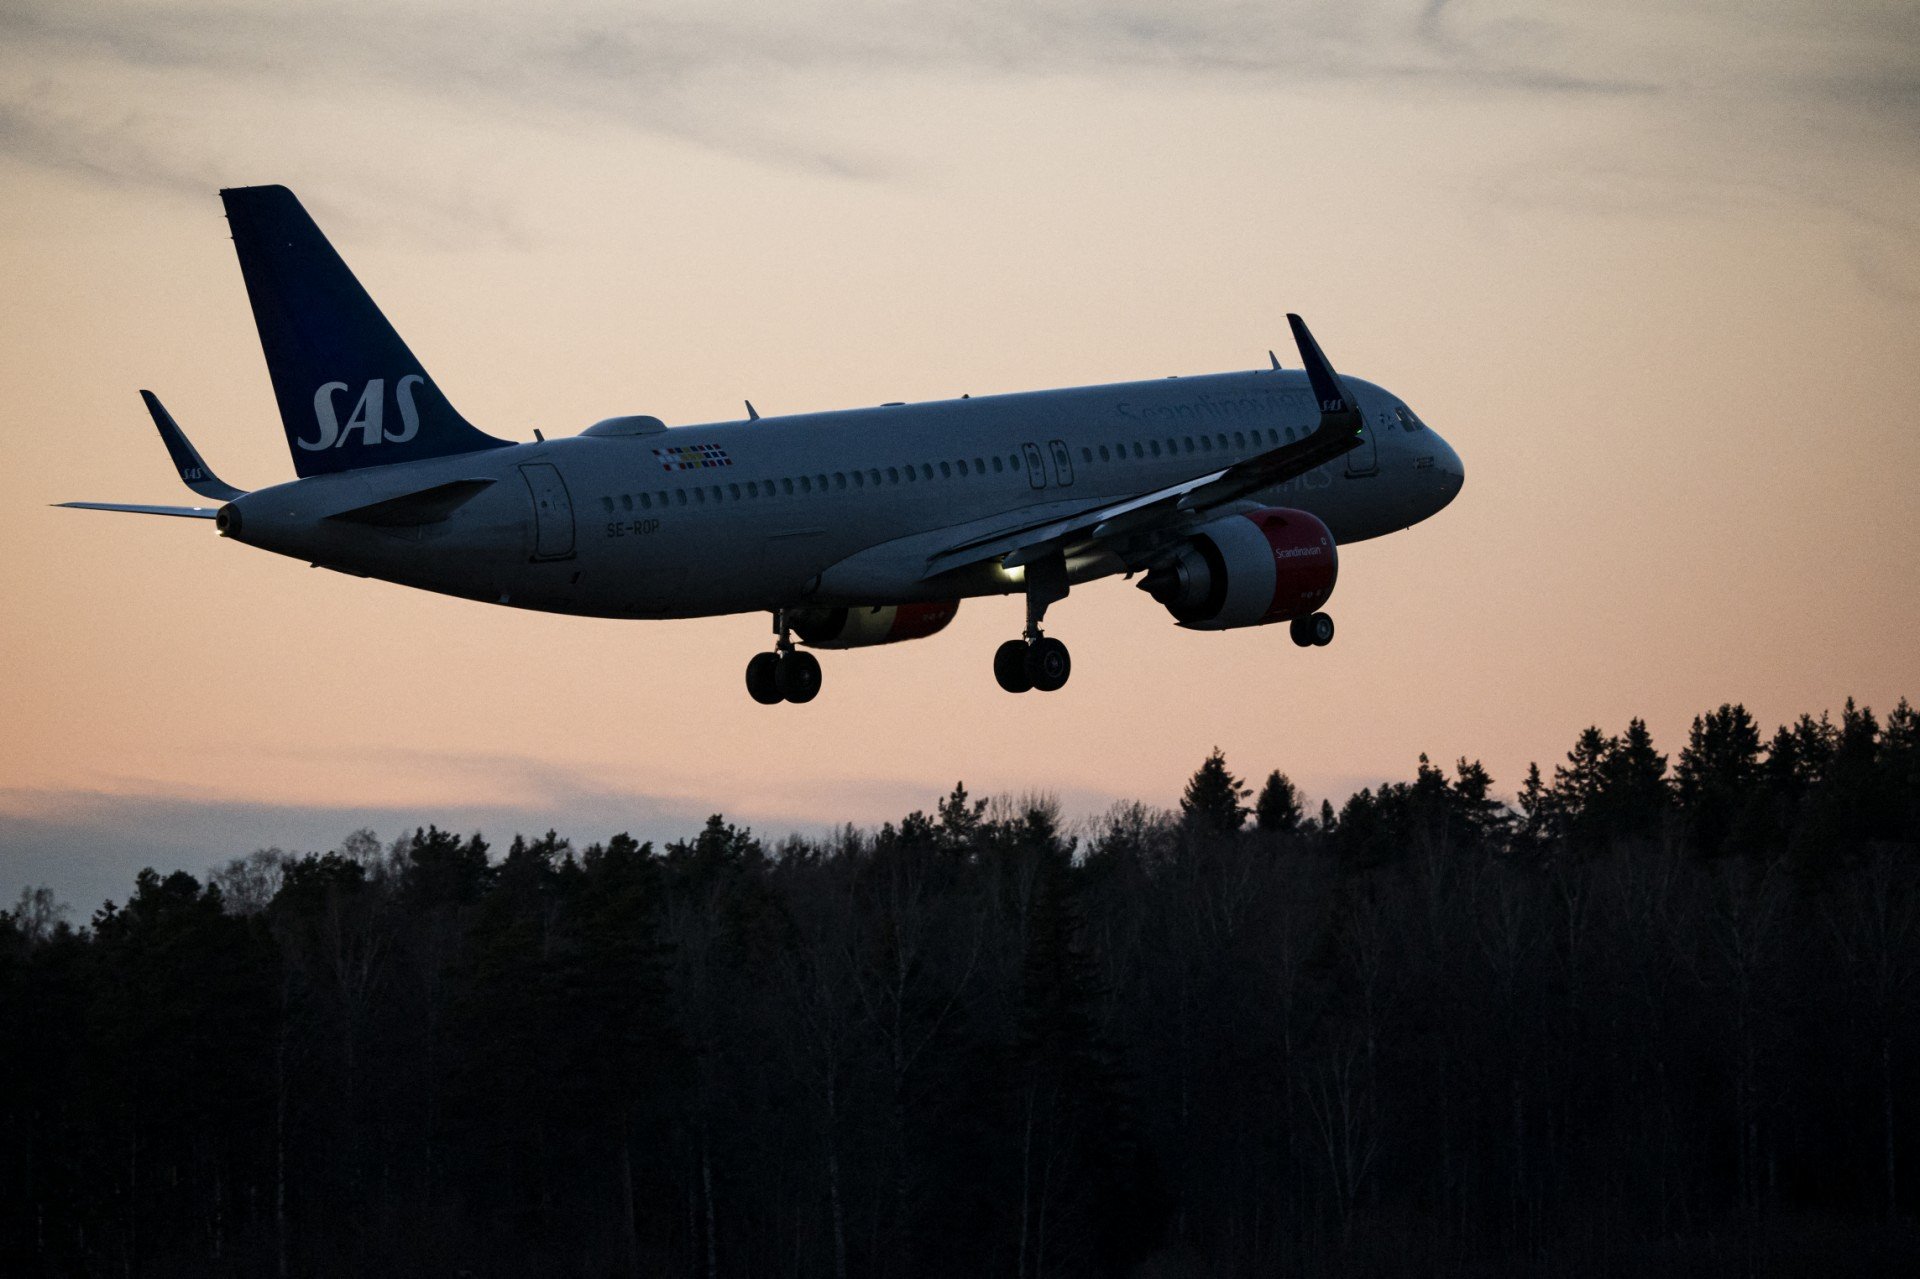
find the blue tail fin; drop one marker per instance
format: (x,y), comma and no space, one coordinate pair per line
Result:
(351,394)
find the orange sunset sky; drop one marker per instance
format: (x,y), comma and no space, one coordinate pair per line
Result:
(1652,268)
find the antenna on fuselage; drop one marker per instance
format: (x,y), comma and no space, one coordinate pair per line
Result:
(1274,358)
(753,414)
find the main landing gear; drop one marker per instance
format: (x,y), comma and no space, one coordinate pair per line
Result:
(1036,660)
(1041,662)
(1312,632)
(786,674)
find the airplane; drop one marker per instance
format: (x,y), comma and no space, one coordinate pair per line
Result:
(1227,496)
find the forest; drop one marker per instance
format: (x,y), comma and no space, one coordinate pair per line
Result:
(1655,1016)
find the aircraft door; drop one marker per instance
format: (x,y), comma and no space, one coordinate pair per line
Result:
(552,511)
(1062,462)
(1036,466)
(1364,458)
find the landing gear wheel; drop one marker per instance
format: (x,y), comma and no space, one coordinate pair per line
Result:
(798,676)
(1320,627)
(1048,664)
(1301,628)
(1010,666)
(763,678)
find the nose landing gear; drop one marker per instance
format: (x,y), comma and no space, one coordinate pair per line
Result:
(786,674)
(1312,632)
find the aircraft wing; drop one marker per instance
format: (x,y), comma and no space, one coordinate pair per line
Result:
(1165,513)
(194,472)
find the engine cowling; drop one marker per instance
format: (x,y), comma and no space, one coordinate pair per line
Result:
(1269,565)
(867,625)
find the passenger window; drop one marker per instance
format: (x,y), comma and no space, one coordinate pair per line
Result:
(1086,454)
(859,480)
(893,475)
(999,467)
(1240,439)
(1137,451)
(786,486)
(806,484)
(821,481)
(1013,460)
(699,495)
(839,479)
(1103,453)
(626,502)
(979,466)
(680,496)
(1155,446)
(926,470)
(606,503)
(733,490)
(946,472)
(1206,444)
(646,503)
(753,489)
(961,465)
(1189,443)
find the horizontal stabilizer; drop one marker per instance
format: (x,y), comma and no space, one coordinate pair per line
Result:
(194,473)
(428,506)
(186,512)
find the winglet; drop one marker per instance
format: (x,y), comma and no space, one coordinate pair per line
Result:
(194,473)
(1327,387)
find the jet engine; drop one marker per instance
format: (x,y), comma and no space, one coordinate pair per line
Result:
(867,625)
(1269,565)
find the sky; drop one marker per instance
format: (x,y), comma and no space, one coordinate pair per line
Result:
(1652,268)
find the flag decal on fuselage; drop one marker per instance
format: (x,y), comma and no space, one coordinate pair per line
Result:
(692,457)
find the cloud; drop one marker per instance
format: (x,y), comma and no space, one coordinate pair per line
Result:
(726,80)
(1669,104)
(117,151)
(87,846)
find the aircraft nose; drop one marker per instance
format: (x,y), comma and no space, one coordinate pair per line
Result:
(1449,470)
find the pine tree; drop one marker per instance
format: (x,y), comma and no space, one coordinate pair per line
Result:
(1580,788)
(960,819)
(1278,809)
(1716,774)
(1212,803)
(1478,816)
(1637,794)
(1540,818)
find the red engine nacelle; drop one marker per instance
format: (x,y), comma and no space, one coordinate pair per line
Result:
(867,625)
(1265,566)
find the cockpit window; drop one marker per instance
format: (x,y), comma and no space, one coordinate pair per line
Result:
(1408,421)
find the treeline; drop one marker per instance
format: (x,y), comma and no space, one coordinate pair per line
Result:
(1651,1018)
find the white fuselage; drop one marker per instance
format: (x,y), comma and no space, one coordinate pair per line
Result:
(838,508)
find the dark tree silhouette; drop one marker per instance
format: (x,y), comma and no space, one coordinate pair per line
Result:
(1277,810)
(1212,803)
(1636,1023)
